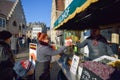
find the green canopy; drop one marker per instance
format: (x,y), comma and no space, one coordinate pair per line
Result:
(74,8)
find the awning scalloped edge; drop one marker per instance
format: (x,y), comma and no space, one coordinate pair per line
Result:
(78,10)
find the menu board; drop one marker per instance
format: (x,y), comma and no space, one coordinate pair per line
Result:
(32,52)
(74,65)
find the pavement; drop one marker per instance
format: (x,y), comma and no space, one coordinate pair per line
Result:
(23,54)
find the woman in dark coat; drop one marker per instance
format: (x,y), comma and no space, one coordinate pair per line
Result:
(6,57)
(44,53)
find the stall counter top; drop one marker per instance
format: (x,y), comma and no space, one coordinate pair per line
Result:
(66,70)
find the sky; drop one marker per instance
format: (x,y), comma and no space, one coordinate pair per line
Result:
(37,10)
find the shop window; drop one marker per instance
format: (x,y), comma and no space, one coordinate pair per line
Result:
(2,22)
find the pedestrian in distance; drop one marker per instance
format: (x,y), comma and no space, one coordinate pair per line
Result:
(28,41)
(97,45)
(14,43)
(23,42)
(44,54)
(7,59)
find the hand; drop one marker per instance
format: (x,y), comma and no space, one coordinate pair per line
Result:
(68,43)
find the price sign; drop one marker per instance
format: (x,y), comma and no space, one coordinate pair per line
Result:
(74,65)
(88,75)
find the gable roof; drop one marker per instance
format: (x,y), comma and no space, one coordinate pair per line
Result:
(6,6)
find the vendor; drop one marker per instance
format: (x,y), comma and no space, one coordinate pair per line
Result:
(97,45)
(44,54)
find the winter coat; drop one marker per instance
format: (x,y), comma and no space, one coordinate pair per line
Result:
(97,46)
(6,62)
(44,53)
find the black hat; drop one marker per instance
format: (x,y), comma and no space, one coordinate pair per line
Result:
(5,35)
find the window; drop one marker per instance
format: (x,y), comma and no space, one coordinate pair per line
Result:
(2,22)
(19,27)
(14,23)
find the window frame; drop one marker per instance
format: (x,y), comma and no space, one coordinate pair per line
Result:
(3,22)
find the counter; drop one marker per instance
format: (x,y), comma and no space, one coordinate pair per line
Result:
(66,70)
(91,70)
(63,63)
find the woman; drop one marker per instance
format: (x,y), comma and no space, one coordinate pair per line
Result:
(44,53)
(7,59)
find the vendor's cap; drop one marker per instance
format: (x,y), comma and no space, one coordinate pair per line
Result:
(5,35)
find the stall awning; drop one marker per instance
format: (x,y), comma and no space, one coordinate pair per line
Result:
(84,14)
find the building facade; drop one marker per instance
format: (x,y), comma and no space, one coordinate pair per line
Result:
(15,20)
(67,2)
(34,28)
(57,8)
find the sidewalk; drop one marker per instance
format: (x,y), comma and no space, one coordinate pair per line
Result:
(23,54)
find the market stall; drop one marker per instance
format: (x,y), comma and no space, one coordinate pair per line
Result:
(102,68)
(88,14)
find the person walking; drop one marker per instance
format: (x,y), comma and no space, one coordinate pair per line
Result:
(28,41)
(14,43)
(97,45)
(23,42)
(7,59)
(44,53)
